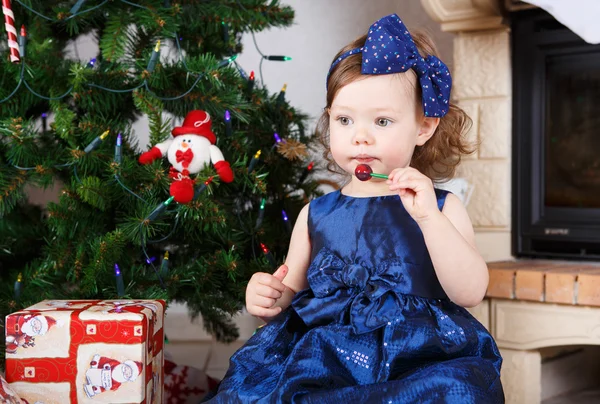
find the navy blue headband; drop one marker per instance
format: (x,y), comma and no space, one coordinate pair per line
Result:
(389,48)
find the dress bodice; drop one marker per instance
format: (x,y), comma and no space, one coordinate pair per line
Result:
(372,230)
(368,254)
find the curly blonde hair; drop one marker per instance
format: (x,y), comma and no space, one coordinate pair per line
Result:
(441,154)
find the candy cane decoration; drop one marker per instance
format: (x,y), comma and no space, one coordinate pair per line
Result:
(9,24)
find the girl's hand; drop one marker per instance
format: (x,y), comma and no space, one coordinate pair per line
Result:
(416,193)
(263,291)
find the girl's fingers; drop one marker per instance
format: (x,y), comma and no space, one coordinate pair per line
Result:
(409,173)
(261,301)
(267,291)
(402,176)
(263,312)
(273,282)
(394,174)
(413,184)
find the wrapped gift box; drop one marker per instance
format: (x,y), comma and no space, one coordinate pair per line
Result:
(186,384)
(7,394)
(87,351)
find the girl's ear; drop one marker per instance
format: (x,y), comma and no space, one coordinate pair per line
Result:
(427,129)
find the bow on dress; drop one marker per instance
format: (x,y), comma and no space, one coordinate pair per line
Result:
(338,291)
(389,48)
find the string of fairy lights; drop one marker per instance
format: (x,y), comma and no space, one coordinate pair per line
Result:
(18,55)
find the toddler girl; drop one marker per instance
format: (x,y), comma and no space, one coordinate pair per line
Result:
(369,306)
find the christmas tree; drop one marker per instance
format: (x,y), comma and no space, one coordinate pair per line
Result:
(116,231)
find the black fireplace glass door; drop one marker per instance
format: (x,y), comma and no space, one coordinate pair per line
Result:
(556,140)
(572,131)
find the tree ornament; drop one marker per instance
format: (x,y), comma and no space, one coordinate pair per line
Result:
(11,31)
(189,151)
(292,149)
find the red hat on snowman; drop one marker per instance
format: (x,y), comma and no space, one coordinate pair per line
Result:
(196,123)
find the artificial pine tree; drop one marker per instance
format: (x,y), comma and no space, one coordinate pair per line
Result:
(59,124)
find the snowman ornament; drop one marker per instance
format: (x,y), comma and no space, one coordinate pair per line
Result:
(191,149)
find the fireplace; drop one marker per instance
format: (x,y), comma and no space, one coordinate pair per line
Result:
(556,140)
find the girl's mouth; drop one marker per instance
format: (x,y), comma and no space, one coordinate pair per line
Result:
(363,158)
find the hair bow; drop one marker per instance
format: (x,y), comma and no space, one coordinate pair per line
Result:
(389,48)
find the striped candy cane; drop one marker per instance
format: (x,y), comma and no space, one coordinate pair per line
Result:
(9,24)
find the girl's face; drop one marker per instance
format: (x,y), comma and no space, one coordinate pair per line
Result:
(377,121)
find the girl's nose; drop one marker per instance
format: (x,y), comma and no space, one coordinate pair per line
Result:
(362,136)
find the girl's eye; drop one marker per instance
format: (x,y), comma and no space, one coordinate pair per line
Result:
(383,122)
(344,120)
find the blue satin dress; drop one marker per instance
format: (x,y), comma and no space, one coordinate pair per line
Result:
(374,325)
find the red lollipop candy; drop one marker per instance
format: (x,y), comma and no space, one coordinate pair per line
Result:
(363,172)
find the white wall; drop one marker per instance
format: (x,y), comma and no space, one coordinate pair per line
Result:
(321,28)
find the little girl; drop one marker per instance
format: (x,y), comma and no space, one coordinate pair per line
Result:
(368,307)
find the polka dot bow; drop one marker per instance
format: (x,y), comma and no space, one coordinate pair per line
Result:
(389,48)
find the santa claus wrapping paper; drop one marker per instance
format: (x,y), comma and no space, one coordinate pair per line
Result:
(108,374)
(22,329)
(88,351)
(189,151)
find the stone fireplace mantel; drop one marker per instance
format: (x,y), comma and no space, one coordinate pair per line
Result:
(482,87)
(471,15)
(465,15)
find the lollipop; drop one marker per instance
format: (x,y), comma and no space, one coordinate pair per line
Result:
(364,173)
